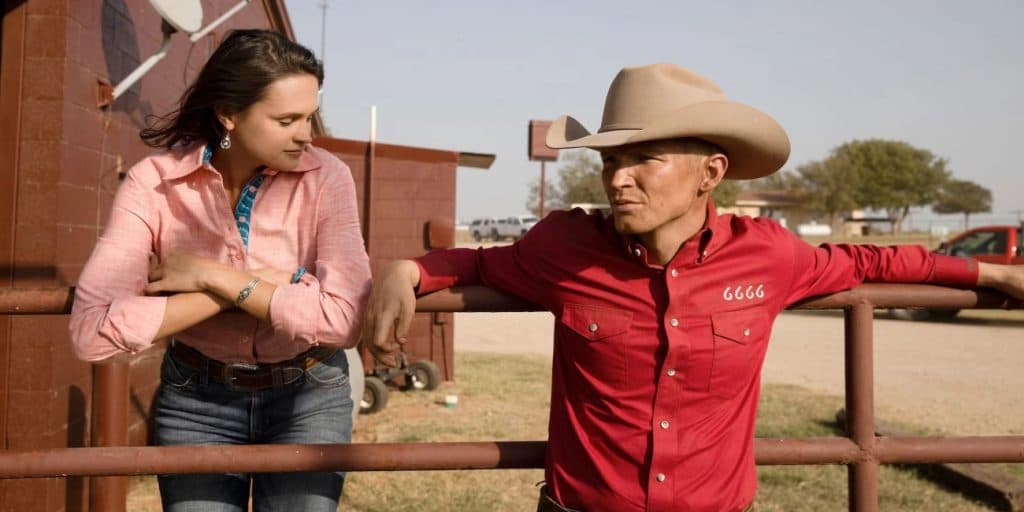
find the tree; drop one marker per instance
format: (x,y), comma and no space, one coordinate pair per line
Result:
(783,180)
(825,188)
(962,196)
(890,175)
(579,181)
(551,201)
(726,192)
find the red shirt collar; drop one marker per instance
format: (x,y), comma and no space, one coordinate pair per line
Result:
(696,249)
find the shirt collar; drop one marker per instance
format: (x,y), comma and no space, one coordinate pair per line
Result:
(696,249)
(192,157)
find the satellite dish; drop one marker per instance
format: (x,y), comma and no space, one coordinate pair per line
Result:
(178,15)
(184,15)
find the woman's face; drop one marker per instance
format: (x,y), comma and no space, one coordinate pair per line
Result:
(274,131)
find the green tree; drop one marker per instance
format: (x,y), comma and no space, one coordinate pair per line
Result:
(825,188)
(726,192)
(579,181)
(551,201)
(783,180)
(962,196)
(890,175)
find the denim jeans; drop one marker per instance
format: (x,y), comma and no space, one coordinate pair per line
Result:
(190,410)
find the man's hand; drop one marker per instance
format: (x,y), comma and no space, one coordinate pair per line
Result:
(389,311)
(1008,279)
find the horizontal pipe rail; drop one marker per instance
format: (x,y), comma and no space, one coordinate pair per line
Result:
(880,295)
(270,458)
(926,450)
(56,301)
(264,458)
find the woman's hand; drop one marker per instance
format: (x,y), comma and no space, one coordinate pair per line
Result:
(182,272)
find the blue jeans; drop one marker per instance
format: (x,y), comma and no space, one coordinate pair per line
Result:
(190,410)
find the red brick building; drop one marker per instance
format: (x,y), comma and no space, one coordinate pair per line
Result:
(61,156)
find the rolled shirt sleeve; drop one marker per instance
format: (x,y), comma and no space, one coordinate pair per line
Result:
(111,314)
(830,268)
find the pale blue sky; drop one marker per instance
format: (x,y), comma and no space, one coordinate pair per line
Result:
(468,76)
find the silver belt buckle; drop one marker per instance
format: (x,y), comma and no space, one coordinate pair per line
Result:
(228,373)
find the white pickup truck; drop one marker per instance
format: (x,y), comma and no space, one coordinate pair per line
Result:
(505,227)
(513,227)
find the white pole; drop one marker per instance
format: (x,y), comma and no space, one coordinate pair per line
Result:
(373,123)
(223,17)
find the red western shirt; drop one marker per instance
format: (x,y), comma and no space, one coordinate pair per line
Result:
(656,369)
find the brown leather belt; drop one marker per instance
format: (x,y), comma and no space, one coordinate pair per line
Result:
(548,504)
(251,377)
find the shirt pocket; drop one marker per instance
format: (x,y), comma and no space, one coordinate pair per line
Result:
(594,339)
(726,358)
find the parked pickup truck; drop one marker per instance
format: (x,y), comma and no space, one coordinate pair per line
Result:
(513,227)
(989,244)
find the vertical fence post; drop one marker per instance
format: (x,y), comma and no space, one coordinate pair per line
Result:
(862,475)
(110,428)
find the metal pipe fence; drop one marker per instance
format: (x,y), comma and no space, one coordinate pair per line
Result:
(862,451)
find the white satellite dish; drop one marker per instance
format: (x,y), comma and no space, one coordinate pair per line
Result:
(179,15)
(184,15)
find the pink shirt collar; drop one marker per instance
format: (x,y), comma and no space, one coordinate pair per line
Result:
(189,159)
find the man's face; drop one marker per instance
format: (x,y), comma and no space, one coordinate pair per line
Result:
(652,186)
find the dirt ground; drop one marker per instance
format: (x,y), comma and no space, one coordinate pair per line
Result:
(963,377)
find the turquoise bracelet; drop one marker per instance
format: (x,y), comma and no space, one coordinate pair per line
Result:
(298,274)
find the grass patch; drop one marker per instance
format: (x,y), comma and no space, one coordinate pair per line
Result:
(506,397)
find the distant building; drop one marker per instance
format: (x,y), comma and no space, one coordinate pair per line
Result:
(786,208)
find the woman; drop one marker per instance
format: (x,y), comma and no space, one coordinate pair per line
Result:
(241,241)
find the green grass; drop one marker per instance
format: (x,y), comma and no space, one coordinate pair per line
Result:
(505,397)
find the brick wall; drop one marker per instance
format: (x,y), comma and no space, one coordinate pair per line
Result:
(411,186)
(64,163)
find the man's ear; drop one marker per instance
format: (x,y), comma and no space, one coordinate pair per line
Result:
(713,170)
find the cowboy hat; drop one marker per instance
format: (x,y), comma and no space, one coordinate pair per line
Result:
(665,101)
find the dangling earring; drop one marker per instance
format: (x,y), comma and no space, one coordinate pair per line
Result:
(225,143)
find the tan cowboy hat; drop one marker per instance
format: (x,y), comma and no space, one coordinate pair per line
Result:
(665,101)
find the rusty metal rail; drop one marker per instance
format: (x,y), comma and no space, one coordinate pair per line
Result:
(862,451)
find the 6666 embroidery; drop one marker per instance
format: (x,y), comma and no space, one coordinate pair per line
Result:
(743,292)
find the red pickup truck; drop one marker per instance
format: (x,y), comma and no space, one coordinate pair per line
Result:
(990,244)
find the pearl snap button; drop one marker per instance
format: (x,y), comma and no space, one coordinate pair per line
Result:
(592,327)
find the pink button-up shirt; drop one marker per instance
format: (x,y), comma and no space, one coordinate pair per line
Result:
(173,201)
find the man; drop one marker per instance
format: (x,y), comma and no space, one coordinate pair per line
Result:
(664,309)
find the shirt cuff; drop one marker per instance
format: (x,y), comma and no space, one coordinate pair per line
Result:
(294,311)
(954,271)
(444,269)
(133,322)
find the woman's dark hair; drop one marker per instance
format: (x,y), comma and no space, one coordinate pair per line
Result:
(236,76)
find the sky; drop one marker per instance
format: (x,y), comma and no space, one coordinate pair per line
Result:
(469,76)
